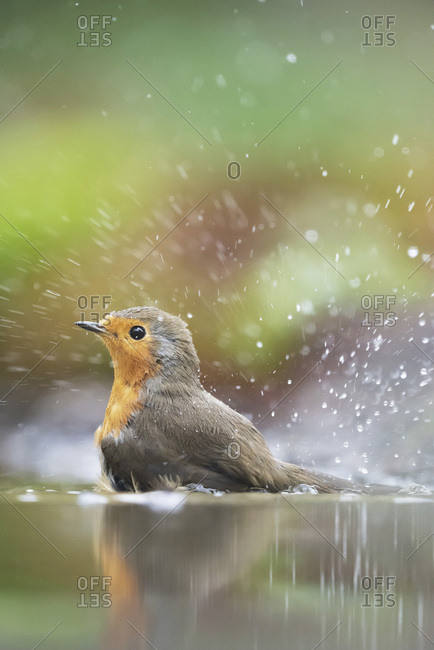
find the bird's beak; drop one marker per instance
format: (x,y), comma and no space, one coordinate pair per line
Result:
(96,328)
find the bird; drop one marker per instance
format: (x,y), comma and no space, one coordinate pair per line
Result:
(163,430)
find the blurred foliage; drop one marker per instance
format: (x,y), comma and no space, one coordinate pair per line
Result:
(98,167)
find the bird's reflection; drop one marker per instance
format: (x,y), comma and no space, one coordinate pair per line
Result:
(174,558)
(197,571)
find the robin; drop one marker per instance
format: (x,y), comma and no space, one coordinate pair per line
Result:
(163,430)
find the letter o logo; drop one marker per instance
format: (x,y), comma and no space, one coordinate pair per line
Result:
(234,170)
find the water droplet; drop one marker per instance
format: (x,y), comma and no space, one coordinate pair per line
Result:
(413,251)
(311,236)
(370,210)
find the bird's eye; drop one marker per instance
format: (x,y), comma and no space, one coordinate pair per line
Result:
(137,332)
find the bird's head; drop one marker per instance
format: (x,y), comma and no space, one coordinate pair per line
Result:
(144,343)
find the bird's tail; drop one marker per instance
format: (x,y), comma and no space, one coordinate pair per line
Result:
(293,475)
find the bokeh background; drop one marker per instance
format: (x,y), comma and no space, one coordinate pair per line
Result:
(115,192)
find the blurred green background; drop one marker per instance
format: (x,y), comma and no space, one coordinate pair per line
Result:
(99,163)
(114,187)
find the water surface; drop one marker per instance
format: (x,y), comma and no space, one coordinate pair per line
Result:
(191,571)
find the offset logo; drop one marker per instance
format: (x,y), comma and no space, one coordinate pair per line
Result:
(377,31)
(93,308)
(234,170)
(233,450)
(378,312)
(94,591)
(378,591)
(93,31)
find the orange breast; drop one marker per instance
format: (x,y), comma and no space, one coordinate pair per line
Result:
(123,403)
